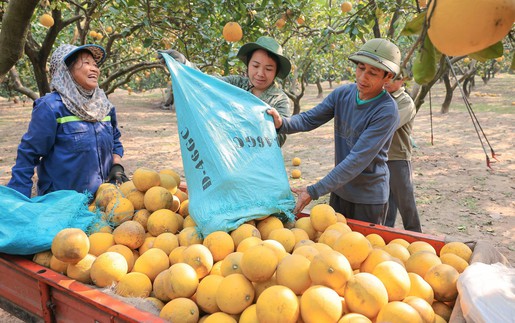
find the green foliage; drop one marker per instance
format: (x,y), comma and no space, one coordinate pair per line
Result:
(426,62)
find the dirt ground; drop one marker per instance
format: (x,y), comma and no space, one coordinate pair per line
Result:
(458,196)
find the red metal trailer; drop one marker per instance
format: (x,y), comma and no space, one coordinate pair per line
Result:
(36,293)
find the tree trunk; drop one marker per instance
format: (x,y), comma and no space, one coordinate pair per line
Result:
(15,26)
(448,94)
(319,88)
(15,82)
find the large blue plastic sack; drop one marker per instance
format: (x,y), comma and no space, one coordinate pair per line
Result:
(28,225)
(233,164)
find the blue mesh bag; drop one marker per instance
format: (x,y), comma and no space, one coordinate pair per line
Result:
(28,225)
(233,164)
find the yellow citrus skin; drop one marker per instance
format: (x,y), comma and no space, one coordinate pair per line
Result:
(460,27)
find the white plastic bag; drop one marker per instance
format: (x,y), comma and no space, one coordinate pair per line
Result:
(487,293)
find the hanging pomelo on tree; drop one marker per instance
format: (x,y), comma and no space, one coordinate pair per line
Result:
(458,27)
(232,31)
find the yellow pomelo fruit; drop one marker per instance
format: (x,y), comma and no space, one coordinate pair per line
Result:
(220,244)
(166,241)
(305,224)
(330,268)
(267,225)
(173,173)
(261,286)
(354,318)
(365,294)
(299,235)
(401,241)
(235,293)
(293,272)
(176,204)
(119,210)
(151,263)
(305,242)
(244,231)
(295,161)
(70,245)
(307,251)
(249,315)
(181,309)
(232,31)
(375,257)
(398,312)
(147,244)
(106,195)
(126,252)
(176,255)
(137,199)
(181,281)
(184,209)
(206,293)
(158,286)
(457,248)
(276,247)
(103,186)
(108,269)
(199,257)
(398,251)
(278,304)
(130,234)
(423,308)
(321,246)
(157,198)
(454,260)
(156,302)
(141,216)
(162,221)
(340,217)
(145,178)
(296,173)
(320,304)
(43,258)
(443,310)
(285,237)
(134,284)
(322,216)
(443,279)
(456,28)
(420,288)
(231,264)
(188,222)
(419,246)
(46,20)
(180,221)
(168,182)
(183,196)
(329,237)
(247,243)
(58,265)
(258,263)
(81,270)
(341,227)
(346,6)
(99,242)
(189,236)
(127,187)
(216,269)
(395,278)
(420,262)
(219,317)
(354,246)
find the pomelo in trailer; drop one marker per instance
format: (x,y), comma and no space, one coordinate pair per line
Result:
(461,27)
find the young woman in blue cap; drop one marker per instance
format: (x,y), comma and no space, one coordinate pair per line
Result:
(73,139)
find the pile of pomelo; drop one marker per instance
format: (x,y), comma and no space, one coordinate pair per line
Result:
(313,270)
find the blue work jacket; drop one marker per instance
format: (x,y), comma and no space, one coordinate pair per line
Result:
(69,153)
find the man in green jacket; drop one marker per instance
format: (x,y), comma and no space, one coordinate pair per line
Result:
(402,197)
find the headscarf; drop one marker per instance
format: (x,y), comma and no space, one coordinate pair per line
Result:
(91,105)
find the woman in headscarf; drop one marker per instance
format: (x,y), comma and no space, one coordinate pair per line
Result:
(265,61)
(72,139)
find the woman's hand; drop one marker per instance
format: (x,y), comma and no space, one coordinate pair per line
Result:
(278,120)
(303,199)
